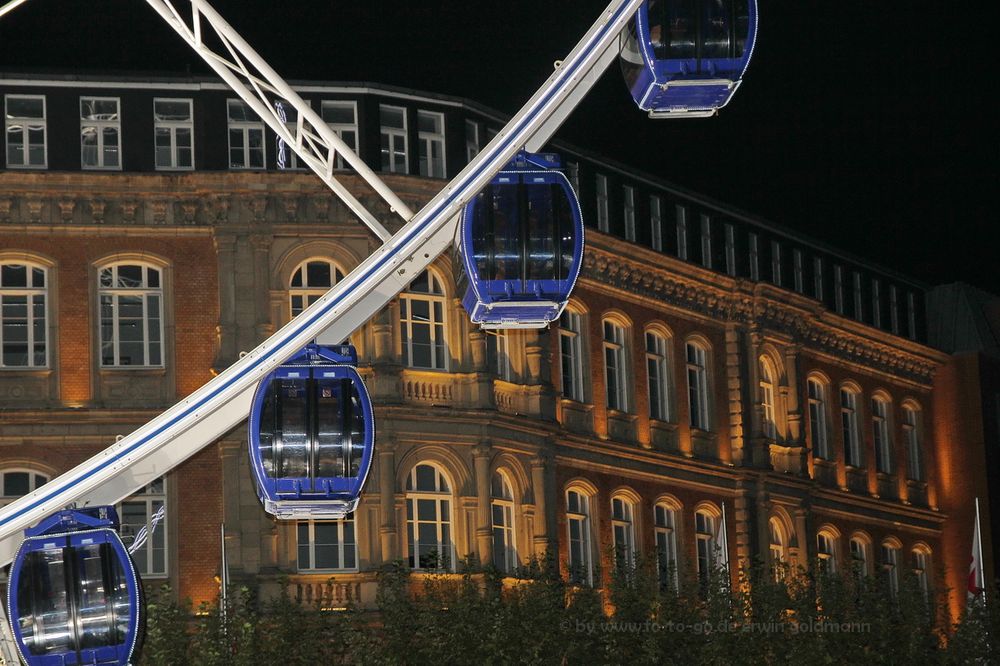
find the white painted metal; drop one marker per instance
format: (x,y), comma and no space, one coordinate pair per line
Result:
(211,411)
(260,86)
(8,648)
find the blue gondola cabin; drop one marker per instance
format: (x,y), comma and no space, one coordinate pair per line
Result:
(686,58)
(74,596)
(521,245)
(311,435)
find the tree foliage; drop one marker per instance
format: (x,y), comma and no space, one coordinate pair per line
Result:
(480,617)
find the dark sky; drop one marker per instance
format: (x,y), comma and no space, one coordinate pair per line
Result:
(868,124)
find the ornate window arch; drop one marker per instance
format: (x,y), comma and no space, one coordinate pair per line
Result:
(616,330)
(818,395)
(24,312)
(623,528)
(659,375)
(861,554)
(423,322)
(18,481)
(311,279)
(706,529)
(502,511)
(572,351)
(913,435)
(889,560)
(130,296)
(579,526)
(429,517)
(922,568)
(828,549)
(850,407)
(778,539)
(881,418)
(665,512)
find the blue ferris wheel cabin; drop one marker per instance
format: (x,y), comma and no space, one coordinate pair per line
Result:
(74,596)
(686,58)
(311,435)
(521,245)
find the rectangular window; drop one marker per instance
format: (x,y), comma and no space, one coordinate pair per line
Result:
(880,434)
(100,133)
(697,376)
(623,532)
(754,248)
(578,528)
(797,267)
(628,194)
(394,144)
(731,250)
(430,135)
(603,221)
(327,545)
(658,377)
(817,419)
(173,133)
(876,304)
(246,137)
(705,537)
(25,127)
(130,300)
(911,433)
(342,118)
(894,309)
(656,223)
(23,315)
(911,315)
(890,568)
(571,353)
(143,513)
(471,140)
(818,278)
(666,546)
(838,289)
(615,369)
(706,241)
(859,312)
(849,423)
(682,232)
(776,276)
(498,353)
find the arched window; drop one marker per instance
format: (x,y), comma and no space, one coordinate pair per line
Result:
(616,374)
(571,354)
(826,551)
(767,398)
(880,434)
(16,483)
(665,532)
(23,315)
(697,377)
(890,566)
(861,556)
(818,428)
(130,298)
(581,570)
(623,531)
(706,535)
(658,376)
(422,323)
(137,513)
(504,546)
(922,569)
(778,548)
(849,425)
(912,433)
(428,519)
(310,280)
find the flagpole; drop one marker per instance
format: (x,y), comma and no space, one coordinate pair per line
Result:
(982,564)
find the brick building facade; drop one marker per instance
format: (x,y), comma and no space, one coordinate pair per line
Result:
(709,361)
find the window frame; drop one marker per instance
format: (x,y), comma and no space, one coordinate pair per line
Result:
(509,561)
(656,222)
(100,126)
(889,563)
(341,546)
(603,213)
(30,293)
(498,353)
(614,344)
(706,537)
(341,128)
(33,484)
(310,293)
(850,430)
(665,540)
(585,543)
(571,355)
(144,292)
(388,141)
(623,531)
(25,121)
(472,146)
(443,523)
(426,163)
(881,419)
(438,330)
(659,359)
(913,436)
(172,126)
(768,397)
(826,551)
(245,128)
(818,422)
(628,211)
(149,497)
(698,393)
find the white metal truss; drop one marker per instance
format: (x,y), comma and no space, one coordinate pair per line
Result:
(221,404)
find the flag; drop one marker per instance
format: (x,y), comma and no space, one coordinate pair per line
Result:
(722,543)
(977,580)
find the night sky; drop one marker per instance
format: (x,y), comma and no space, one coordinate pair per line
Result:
(866,124)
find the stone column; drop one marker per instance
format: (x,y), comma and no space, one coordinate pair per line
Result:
(385,351)
(225,248)
(792,392)
(484,523)
(261,247)
(543,490)
(388,536)
(806,544)
(229,454)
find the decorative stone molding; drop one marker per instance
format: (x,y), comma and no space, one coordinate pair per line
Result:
(158,207)
(290,204)
(219,206)
(66,207)
(128,208)
(322,205)
(6,203)
(258,208)
(97,208)
(189,209)
(34,207)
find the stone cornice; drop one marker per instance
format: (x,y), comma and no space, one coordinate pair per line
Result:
(762,307)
